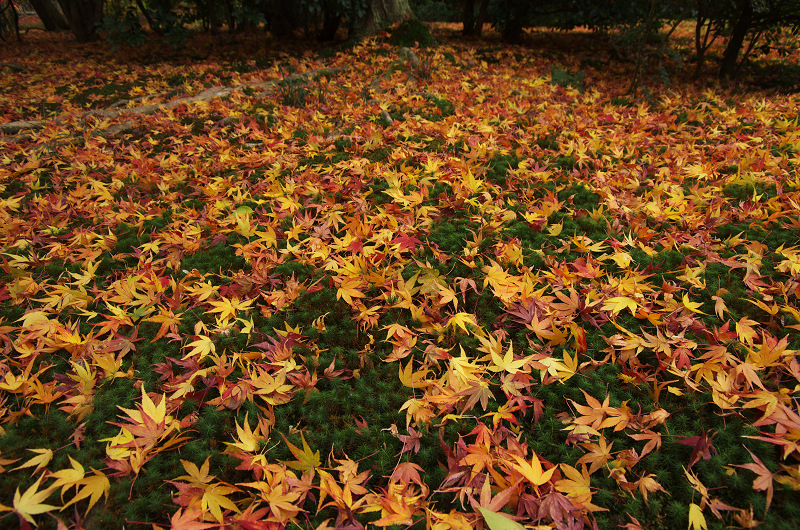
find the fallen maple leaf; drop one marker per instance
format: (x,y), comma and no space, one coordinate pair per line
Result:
(349,289)
(764,477)
(617,304)
(67,477)
(41,461)
(248,441)
(93,486)
(599,454)
(507,363)
(499,521)
(307,461)
(413,378)
(462,320)
(411,441)
(702,447)
(201,347)
(697,520)
(215,500)
(191,519)
(532,470)
(30,503)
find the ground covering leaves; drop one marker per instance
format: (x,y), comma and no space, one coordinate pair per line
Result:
(440,287)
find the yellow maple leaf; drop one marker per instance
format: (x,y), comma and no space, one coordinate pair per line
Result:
(30,503)
(306,460)
(575,486)
(555,229)
(243,225)
(460,320)
(570,367)
(94,486)
(197,477)
(464,368)
(533,470)
(413,379)
(506,363)
(694,307)
(227,308)
(697,520)
(349,290)
(619,303)
(719,304)
(41,461)
(745,331)
(68,477)
(215,499)
(34,318)
(156,412)
(202,290)
(273,390)
(248,441)
(203,346)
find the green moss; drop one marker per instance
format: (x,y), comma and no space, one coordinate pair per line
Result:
(566,163)
(746,192)
(580,196)
(440,108)
(219,257)
(498,166)
(380,154)
(411,33)
(451,235)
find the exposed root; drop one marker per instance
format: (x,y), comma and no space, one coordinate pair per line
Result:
(20,131)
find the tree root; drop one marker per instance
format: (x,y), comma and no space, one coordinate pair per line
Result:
(20,131)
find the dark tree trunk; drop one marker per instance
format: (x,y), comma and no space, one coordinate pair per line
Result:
(741,27)
(10,21)
(330,23)
(213,17)
(48,12)
(146,14)
(700,31)
(481,18)
(512,30)
(383,13)
(281,18)
(645,33)
(232,26)
(83,16)
(468,17)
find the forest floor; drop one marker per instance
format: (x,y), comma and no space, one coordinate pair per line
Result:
(251,284)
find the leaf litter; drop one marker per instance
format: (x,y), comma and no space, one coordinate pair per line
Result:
(513,296)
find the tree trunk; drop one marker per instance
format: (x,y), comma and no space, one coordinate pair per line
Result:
(649,24)
(146,14)
(11,21)
(383,13)
(232,26)
(281,17)
(481,18)
(50,15)
(742,26)
(512,30)
(468,17)
(330,22)
(213,17)
(83,16)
